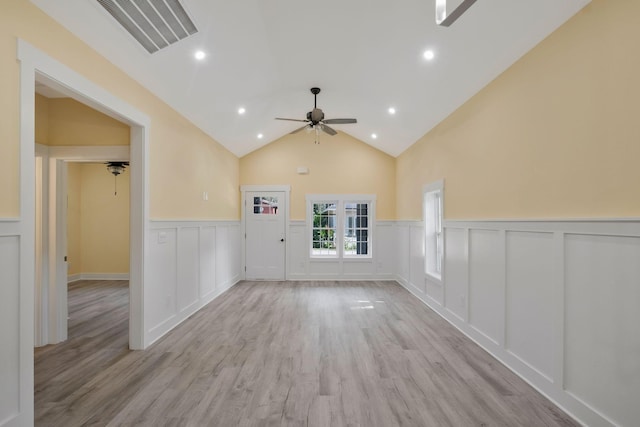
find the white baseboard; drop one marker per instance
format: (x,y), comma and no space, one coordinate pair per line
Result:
(97,276)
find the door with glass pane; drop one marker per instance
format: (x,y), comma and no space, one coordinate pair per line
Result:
(265,235)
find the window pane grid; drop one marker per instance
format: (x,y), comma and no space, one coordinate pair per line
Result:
(324,229)
(356,232)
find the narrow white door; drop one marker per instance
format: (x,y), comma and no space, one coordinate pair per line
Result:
(265,235)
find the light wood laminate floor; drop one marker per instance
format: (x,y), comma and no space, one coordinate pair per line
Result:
(280,353)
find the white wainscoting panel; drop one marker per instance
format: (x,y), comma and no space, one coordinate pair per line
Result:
(207,261)
(381,266)
(602,366)
(455,271)
(416,258)
(188,267)
(487,283)
(160,300)
(403,251)
(558,302)
(9,327)
(298,252)
(191,263)
(385,249)
(530,299)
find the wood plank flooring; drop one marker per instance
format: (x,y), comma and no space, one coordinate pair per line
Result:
(281,354)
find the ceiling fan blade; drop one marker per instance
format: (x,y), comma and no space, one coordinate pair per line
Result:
(299,129)
(339,121)
(292,120)
(328,130)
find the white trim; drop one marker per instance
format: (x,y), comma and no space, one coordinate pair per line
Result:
(438,188)
(163,223)
(340,200)
(546,220)
(259,188)
(90,153)
(35,64)
(97,276)
(433,186)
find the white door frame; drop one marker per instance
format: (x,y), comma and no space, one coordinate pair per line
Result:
(53,294)
(35,64)
(243,230)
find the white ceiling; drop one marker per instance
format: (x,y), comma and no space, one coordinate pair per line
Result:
(365,55)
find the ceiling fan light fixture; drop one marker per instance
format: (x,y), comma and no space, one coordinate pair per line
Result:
(315,119)
(116,168)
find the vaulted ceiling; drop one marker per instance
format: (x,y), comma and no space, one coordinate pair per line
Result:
(366,55)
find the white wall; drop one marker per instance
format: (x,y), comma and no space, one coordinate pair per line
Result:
(190,264)
(556,301)
(380,266)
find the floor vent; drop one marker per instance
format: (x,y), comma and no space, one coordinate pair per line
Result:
(155,24)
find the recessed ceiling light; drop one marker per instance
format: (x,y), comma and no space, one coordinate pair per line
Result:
(199,55)
(392,110)
(429,55)
(374,136)
(241,110)
(260,136)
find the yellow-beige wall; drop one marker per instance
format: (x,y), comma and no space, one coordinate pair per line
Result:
(175,144)
(555,136)
(73,123)
(339,164)
(67,122)
(97,220)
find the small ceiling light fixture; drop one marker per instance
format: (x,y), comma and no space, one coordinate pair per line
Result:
(374,136)
(445,17)
(241,110)
(200,55)
(392,110)
(116,168)
(260,136)
(429,54)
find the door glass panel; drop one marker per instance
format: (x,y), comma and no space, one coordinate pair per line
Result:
(265,205)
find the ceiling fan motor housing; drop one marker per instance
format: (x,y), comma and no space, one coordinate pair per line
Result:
(316,115)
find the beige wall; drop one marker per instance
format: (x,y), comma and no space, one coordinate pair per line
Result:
(553,136)
(67,122)
(73,123)
(556,135)
(339,164)
(97,220)
(175,144)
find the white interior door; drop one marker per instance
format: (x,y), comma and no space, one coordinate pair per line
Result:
(265,235)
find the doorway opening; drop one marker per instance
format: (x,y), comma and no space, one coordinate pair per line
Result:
(36,66)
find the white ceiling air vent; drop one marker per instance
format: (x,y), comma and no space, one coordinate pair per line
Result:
(155,24)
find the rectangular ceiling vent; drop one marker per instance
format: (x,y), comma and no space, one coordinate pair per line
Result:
(155,24)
